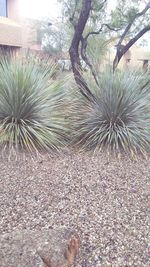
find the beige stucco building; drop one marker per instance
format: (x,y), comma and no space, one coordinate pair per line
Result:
(135,57)
(15,31)
(10,28)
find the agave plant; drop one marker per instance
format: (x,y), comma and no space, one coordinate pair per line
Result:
(31,116)
(120,116)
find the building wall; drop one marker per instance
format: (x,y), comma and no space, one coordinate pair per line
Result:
(14,30)
(10,33)
(134,58)
(29,34)
(10,29)
(13,10)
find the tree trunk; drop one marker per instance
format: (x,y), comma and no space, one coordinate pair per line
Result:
(74,50)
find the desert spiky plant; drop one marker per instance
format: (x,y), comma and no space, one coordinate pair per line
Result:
(30,106)
(120,116)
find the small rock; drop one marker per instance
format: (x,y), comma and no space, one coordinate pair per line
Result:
(47,248)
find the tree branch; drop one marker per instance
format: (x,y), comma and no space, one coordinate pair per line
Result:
(100,30)
(144,10)
(84,46)
(71,19)
(130,24)
(126,47)
(86,59)
(93,32)
(111,28)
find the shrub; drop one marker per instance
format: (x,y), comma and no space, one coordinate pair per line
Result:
(120,116)
(31,116)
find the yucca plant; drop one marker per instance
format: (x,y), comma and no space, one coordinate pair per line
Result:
(31,114)
(42,62)
(98,51)
(119,119)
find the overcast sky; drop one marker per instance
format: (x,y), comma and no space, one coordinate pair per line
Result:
(44,8)
(39,8)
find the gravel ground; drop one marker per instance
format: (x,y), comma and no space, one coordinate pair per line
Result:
(104,199)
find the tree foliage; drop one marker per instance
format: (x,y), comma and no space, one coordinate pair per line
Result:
(55,37)
(126,21)
(122,19)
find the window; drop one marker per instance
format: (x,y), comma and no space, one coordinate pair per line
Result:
(145,64)
(3,8)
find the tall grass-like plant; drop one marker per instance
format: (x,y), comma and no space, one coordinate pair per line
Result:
(31,114)
(119,119)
